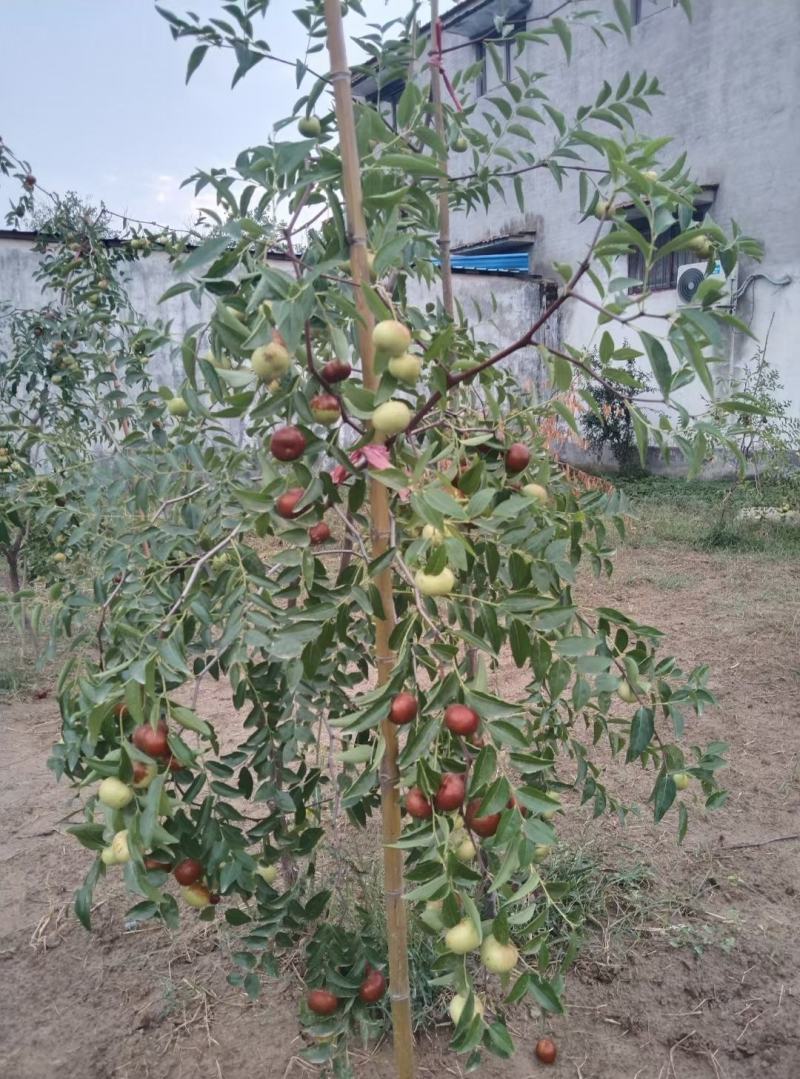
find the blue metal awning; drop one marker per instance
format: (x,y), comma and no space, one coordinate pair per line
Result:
(505,262)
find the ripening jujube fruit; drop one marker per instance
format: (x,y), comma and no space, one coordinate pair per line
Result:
(391,337)
(143,775)
(197,895)
(435,584)
(309,127)
(450,794)
(405,368)
(459,1002)
(546,1050)
(270,361)
(417,805)
(462,937)
(483,826)
(285,504)
(155,863)
(518,457)
(372,988)
(151,740)
(391,418)
(322,1002)
(114,793)
(325,408)
(319,533)
(287,443)
(188,871)
(403,708)
(461,720)
(336,371)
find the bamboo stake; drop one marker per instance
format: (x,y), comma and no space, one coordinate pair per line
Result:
(396,918)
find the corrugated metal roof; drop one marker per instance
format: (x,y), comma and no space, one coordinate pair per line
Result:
(504,262)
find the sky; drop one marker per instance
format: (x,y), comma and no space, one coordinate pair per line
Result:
(92,94)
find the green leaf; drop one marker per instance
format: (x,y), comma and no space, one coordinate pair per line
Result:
(205,253)
(149,817)
(433,889)
(663,795)
(536,800)
(83,897)
(498,1040)
(418,164)
(658,362)
(176,290)
(565,36)
(88,835)
(520,642)
(622,8)
(544,994)
(185,717)
(683,822)
(195,59)
(575,646)
(642,731)
(236,917)
(420,739)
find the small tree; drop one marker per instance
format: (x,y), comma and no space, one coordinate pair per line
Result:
(72,376)
(391,427)
(608,423)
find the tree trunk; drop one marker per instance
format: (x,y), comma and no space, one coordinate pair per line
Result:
(396,918)
(12,559)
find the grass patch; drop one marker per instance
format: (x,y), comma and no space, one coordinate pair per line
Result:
(18,651)
(703,514)
(593,906)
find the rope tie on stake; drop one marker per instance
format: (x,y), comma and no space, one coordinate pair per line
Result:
(437,61)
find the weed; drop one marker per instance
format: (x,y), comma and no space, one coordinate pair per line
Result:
(690,513)
(699,938)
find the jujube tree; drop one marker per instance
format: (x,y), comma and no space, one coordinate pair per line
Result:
(457,542)
(73,374)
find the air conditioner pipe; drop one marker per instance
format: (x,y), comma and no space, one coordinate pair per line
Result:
(748,281)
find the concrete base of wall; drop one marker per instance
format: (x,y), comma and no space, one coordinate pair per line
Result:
(658,463)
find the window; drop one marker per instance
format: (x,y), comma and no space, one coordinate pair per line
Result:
(507,47)
(480,58)
(664,271)
(385,100)
(643,9)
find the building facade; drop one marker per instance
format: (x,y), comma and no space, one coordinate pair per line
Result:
(731,98)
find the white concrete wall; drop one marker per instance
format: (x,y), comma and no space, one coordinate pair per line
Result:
(499,309)
(731,81)
(145,280)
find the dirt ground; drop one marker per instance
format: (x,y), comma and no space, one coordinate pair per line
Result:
(709,989)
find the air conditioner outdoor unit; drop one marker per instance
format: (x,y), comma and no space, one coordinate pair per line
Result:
(692,275)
